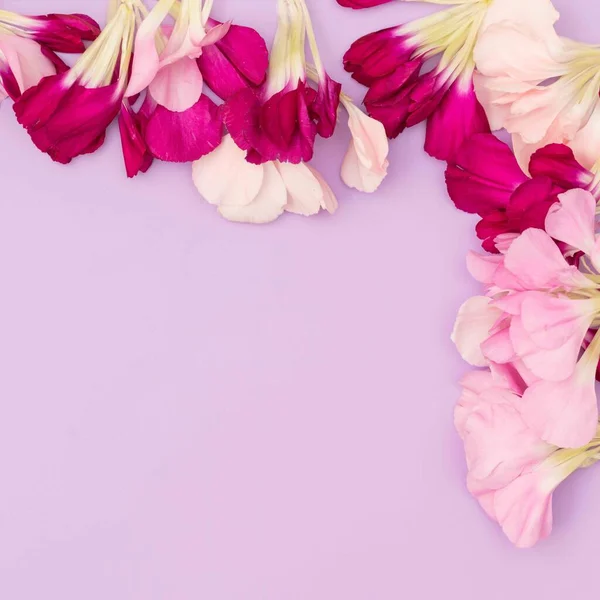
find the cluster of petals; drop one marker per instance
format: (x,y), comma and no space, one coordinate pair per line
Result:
(485,178)
(512,471)
(271,131)
(536,330)
(28,47)
(185,87)
(540,87)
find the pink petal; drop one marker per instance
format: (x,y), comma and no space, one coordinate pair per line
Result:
(177,86)
(146,61)
(475,320)
(524,510)
(564,413)
(551,321)
(573,220)
(535,259)
(554,364)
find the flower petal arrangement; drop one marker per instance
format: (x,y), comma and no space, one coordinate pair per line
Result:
(185,83)
(528,413)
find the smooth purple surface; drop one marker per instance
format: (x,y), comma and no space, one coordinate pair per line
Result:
(192,409)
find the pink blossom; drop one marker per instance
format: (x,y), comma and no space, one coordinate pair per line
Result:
(512,471)
(537,85)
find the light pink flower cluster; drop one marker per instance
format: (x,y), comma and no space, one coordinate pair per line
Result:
(151,69)
(535,332)
(529,416)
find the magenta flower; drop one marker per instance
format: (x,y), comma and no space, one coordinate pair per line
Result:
(234,63)
(67,114)
(484,178)
(281,120)
(391,64)
(28,46)
(184,124)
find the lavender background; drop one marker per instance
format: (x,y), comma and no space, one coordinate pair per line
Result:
(193,409)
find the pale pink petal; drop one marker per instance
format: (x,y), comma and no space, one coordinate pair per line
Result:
(476,317)
(365,164)
(305,194)
(26,60)
(177,86)
(212,176)
(573,220)
(483,267)
(329,201)
(586,144)
(145,63)
(538,15)
(268,204)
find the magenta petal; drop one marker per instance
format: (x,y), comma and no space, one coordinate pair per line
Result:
(281,129)
(185,136)
(324,107)
(8,82)
(558,162)
(458,117)
(66,33)
(132,127)
(530,203)
(238,60)
(66,121)
(358,4)
(483,175)
(61,66)
(378,55)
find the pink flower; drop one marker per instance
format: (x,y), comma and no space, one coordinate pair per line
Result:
(391,62)
(365,164)
(511,470)
(183,123)
(485,178)
(538,86)
(281,120)
(259,193)
(67,114)
(537,316)
(28,46)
